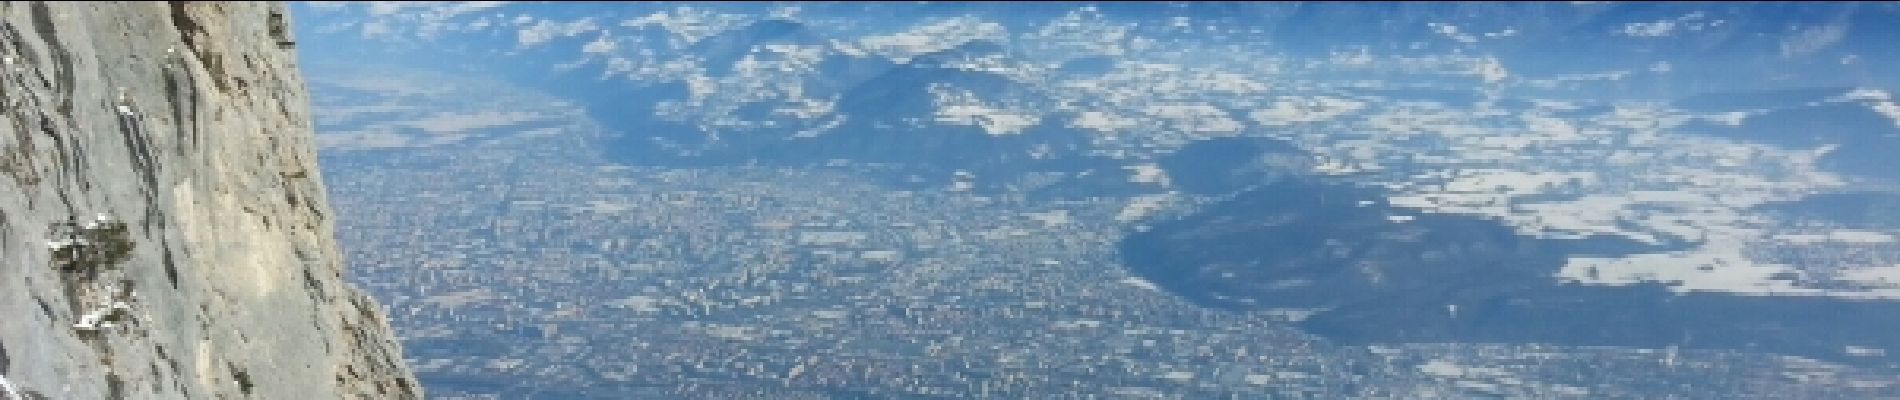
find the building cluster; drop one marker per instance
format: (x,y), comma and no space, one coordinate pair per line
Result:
(576,275)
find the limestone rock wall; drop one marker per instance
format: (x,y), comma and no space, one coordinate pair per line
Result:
(189,123)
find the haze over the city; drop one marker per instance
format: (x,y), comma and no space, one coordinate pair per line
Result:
(1120,200)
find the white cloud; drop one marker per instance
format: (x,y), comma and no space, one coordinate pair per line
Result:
(387,7)
(1812,39)
(957,106)
(1288,111)
(1490,70)
(1881,101)
(327,6)
(453,9)
(375,29)
(545,30)
(602,45)
(689,25)
(1649,29)
(1695,21)
(1200,118)
(1083,32)
(938,36)
(1452,32)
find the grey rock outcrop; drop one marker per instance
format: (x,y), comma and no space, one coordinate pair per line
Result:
(188,122)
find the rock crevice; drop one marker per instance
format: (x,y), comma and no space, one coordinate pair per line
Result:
(186,125)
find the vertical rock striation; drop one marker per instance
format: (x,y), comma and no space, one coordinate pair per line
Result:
(188,122)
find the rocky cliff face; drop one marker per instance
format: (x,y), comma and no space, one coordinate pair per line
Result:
(187,123)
